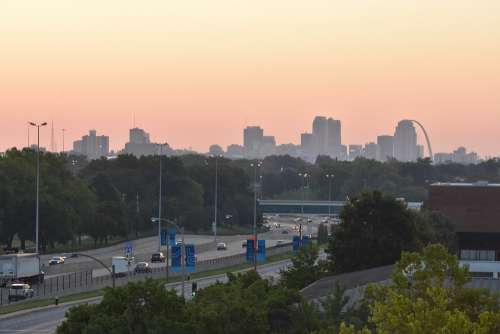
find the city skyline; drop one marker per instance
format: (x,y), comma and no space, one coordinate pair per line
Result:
(117,148)
(195,75)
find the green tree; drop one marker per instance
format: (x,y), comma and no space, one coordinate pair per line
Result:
(375,228)
(428,295)
(305,268)
(142,307)
(322,234)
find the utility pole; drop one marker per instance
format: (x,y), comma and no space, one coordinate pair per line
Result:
(38,126)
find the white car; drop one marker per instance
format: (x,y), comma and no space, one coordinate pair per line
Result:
(56,260)
(221,246)
(19,291)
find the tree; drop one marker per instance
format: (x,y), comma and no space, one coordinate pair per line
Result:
(305,268)
(428,295)
(322,234)
(142,307)
(375,228)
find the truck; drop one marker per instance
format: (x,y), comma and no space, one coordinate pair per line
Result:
(123,265)
(20,268)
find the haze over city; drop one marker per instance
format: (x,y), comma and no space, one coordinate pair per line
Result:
(196,74)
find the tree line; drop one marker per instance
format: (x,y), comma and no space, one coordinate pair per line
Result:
(432,298)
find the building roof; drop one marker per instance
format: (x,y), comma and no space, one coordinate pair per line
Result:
(475,184)
(325,286)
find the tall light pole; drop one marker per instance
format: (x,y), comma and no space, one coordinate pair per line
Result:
(216,195)
(160,200)
(38,126)
(330,180)
(255,166)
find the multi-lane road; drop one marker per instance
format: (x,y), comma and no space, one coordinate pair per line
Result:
(46,320)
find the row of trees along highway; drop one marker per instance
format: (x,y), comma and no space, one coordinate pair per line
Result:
(433,300)
(427,294)
(116,197)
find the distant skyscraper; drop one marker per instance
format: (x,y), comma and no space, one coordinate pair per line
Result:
(355,151)
(320,135)
(370,151)
(139,144)
(385,147)
(405,141)
(252,139)
(92,146)
(307,146)
(327,136)
(138,136)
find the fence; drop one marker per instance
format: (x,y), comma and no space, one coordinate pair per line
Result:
(76,282)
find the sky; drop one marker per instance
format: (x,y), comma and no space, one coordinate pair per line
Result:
(195,73)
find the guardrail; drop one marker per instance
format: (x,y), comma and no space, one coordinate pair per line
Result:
(81,281)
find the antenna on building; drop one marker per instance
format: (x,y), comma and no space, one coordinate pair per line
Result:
(63,131)
(52,139)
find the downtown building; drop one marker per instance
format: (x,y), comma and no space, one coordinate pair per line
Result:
(405,142)
(139,144)
(92,146)
(474,212)
(325,139)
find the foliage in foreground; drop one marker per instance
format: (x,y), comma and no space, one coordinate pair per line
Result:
(427,295)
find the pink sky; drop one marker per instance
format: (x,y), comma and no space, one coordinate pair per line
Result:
(196,73)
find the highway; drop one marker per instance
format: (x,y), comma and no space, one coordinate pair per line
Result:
(206,248)
(47,319)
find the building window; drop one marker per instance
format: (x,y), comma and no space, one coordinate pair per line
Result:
(477,255)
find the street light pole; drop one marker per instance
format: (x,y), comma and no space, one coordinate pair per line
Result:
(38,126)
(216,196)
(255,165)
(159,205)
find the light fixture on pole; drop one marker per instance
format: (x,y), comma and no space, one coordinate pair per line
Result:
(38,126)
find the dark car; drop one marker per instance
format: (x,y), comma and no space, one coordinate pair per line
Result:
(244,244)
(157,257)
(284,232)
(142,267)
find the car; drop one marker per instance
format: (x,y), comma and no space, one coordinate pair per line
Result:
(142,267)
(284,232)
(179,243)
(158,257)
(244,244)
(221,246)
(20,291)
(309,220)
(56,260)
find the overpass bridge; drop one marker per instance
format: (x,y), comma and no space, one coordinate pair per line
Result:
(310,208)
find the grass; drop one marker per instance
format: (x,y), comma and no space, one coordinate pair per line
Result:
(49,301)
(96,293)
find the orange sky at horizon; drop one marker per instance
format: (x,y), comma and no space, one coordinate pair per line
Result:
(195,73)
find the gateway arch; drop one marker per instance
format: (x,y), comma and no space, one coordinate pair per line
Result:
(429,147)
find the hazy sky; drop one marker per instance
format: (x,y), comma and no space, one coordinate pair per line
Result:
(195,72)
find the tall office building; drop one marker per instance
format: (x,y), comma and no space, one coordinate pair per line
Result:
(307,146)
(405,141)
(139,144)
(320,135)
(252,139)
(138,136)
(92,145)
(355,151)
(334,138)
(370,151)
(327,136)
(385,147)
